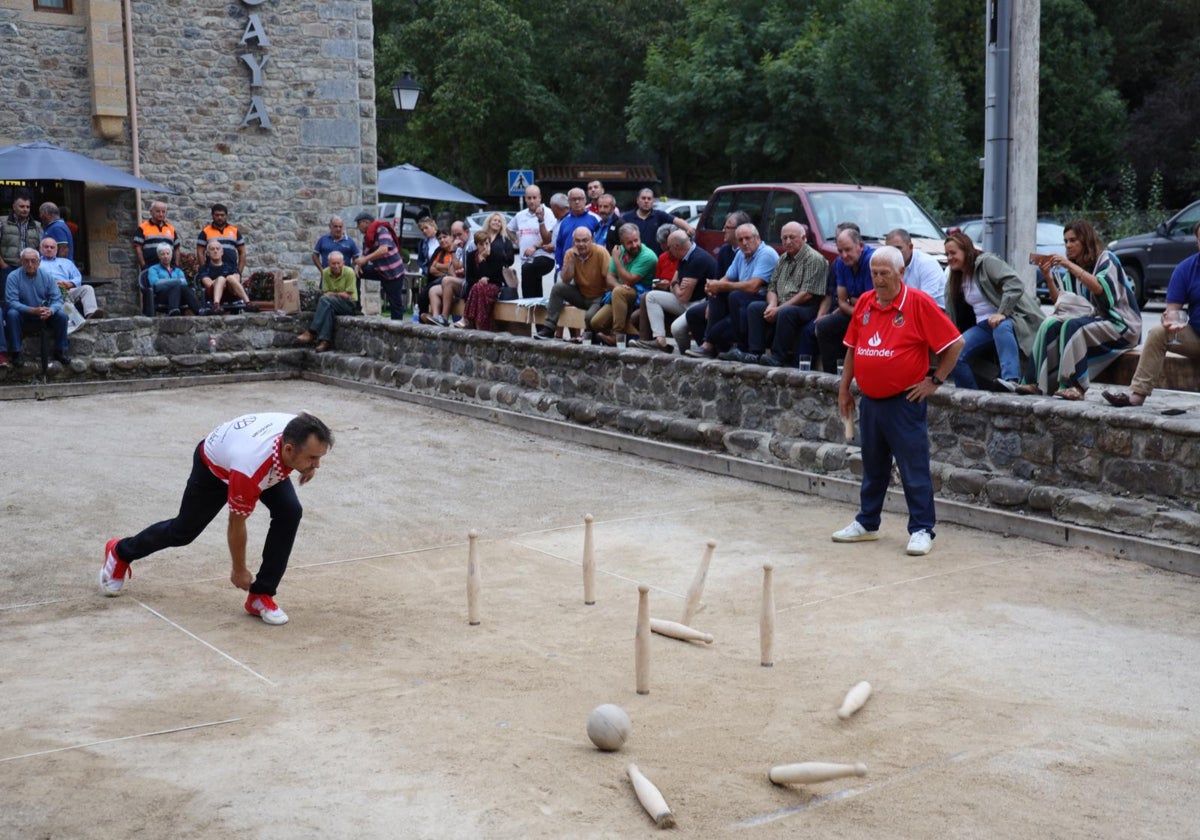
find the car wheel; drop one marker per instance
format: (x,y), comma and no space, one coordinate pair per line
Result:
(1134,272)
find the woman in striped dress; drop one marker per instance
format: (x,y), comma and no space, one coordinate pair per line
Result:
(1070,348)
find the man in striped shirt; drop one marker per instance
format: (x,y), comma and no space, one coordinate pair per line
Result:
(240,462)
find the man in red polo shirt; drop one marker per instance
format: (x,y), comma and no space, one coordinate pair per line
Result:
(893,331)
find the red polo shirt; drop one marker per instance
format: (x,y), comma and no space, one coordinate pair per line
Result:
(892,344)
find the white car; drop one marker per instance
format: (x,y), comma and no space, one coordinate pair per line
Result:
(683,208)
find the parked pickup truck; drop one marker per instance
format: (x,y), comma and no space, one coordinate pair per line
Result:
(820,208)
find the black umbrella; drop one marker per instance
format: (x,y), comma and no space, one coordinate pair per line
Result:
(45,161)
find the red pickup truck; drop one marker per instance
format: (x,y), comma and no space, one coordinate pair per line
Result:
(820,208)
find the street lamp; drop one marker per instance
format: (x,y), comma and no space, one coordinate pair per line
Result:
(405,91)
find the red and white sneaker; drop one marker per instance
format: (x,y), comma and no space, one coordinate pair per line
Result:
(264,607)
(114,572)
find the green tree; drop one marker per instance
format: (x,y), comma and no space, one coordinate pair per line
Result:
(1081,115)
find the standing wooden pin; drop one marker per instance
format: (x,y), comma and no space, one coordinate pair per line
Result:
(766,621)
(589,563)
(697,587)
(651,798)
(855,698)
(472,580)
(642,640)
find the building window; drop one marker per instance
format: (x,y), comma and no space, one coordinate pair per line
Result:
(63,6)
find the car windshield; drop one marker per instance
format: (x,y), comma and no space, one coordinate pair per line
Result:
(875,213)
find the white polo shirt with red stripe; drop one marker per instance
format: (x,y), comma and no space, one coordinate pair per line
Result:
(891,344)
(244,453)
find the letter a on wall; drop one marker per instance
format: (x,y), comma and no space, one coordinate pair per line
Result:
(258,111)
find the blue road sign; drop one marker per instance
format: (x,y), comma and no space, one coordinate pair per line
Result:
(518,180)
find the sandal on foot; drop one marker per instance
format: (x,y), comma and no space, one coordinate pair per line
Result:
(1072,393)
(1029,390)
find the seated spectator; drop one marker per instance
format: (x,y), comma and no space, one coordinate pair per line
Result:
(630,275)
(32,295)
(503,251)
(696,315)
(921,271)
(1183,325)
(1070,349)
(219,277)
(339,296)
(583,283)
(794,296)
(991,308)
(608,232)
(446,277)
(852,273)
(744,282)
(695,268)
(69,280)
(170,285)
(335,240)
(427,245)
(484,280)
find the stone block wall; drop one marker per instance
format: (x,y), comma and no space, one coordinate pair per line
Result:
(315,80)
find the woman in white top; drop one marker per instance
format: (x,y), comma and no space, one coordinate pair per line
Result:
(988,303)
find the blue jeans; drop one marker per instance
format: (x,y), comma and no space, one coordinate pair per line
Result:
(203,498)
(727,319)
(980,337)
(895,428)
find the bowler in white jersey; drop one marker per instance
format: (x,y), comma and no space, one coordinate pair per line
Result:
(241,462)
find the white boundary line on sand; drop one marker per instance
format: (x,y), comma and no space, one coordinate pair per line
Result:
(208,645)
(893,583)
(122,738)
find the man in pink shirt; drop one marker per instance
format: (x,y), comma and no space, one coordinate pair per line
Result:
(242,461)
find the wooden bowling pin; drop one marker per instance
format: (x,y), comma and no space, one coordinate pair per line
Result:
(589,563)
(766,620)
(855,698)
(642,640)
(679,631)
(809,772)
(651,798)
(697,588)
(472,580)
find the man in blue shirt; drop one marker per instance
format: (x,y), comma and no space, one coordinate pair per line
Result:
(1179,332)
(31,293)
(852,271)
(577,216)
(335,240)
(56,228)
(745,281)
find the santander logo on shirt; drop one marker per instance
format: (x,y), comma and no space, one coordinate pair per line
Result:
(873,348)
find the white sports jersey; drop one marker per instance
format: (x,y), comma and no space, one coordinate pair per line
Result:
(244,453)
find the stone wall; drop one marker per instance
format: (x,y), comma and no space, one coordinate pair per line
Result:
(281,184)
(1125,472)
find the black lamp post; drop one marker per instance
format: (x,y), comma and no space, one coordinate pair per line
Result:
(405,92)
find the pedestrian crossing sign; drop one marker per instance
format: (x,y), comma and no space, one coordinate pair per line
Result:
(519,180)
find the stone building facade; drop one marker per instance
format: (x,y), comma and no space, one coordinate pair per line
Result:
(266,106)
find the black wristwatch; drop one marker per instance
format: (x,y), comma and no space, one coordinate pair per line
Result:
(936,380)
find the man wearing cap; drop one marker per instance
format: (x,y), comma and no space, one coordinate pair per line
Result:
(382,260)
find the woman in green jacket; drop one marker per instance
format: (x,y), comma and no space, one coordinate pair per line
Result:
(991,308)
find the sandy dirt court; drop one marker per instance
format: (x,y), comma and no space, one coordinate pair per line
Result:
(1019,690)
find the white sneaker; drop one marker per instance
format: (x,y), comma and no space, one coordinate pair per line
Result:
(920,543)
(264,607)
(854,532)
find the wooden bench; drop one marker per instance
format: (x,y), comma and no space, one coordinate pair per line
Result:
(523,320)
(1179,372)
